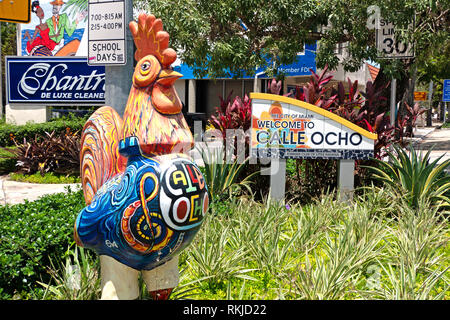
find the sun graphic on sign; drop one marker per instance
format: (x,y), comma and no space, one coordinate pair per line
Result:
(278,128)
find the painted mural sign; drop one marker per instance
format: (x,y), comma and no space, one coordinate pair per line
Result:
(288,128)
(57,28)
(54,80)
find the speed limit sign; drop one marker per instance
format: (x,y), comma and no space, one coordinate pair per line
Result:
(388,46)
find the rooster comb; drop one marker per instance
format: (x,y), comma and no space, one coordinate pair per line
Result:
(150,38)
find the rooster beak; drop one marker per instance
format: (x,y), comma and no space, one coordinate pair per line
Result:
(167,77)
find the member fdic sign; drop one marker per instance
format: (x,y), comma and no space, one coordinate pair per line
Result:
(288,128)
(54,80)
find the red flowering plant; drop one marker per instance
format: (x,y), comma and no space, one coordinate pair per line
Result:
(315,92)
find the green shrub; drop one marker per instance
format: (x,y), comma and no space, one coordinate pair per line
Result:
(31,234)
(11,132)
(223,178)
(414,177)
(49,178)
(7,160)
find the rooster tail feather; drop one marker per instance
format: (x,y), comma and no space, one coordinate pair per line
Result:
(99,156)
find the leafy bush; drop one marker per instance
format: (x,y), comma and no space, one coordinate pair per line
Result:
(7,160)
(232,115)
(222,177)
(11,132)
(51,153)
(31,234)
(414,177)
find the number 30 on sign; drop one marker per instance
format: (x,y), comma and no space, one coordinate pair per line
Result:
(388,46)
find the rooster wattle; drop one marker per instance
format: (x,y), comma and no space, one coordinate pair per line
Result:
(145,199)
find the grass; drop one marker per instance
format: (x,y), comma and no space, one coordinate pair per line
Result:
(446,125)
(48,178)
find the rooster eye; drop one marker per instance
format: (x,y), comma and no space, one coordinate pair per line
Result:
(145,66)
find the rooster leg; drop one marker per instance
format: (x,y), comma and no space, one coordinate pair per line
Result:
(119,282)
(161,280)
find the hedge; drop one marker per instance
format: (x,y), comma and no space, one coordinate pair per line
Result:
(8,132)
(32,234)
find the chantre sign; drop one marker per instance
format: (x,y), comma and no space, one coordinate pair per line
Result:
(54,80)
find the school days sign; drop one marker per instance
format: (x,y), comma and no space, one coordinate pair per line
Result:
(55,81)
(283,127)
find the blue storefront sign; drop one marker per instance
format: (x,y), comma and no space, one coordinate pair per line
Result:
(301,66)
(446,91)
(54,81)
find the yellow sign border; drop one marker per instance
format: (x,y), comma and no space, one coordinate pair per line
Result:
(311,107)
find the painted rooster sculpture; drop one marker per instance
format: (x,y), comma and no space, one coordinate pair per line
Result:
(145,198)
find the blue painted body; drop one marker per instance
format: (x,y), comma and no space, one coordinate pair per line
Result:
(149,213)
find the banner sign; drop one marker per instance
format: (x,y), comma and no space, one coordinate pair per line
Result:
(57,28)
(54,81)
(283,127)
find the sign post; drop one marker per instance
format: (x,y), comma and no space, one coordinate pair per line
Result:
(430,105)
(285,128)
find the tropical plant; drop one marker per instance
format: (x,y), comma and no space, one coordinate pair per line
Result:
(209,258)
(75,279)
(75,6)
(315,92)
(53,152)
(274,87)
(232,115)
(415,245)
(414,177)
(222,176)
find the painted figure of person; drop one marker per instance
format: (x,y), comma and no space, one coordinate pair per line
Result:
(60,24)
(41,43)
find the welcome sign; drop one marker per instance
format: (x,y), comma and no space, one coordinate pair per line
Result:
(283,127)
(54,80)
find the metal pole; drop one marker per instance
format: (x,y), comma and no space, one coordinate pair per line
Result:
(393,106)
(430,105)
(118,79)
(445,111)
